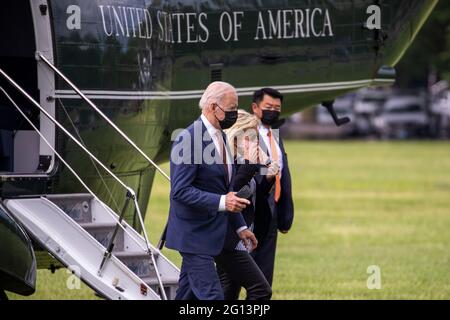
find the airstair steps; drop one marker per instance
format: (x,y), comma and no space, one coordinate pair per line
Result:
(170,285)
(103,232)
(132,254)
(140,263)
(76,206)
(76,228)
(154,282)
(97,225)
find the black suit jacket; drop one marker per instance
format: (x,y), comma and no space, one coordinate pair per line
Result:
(244,174)
(266,209)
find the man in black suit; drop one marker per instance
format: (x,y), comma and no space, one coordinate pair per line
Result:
(274,209)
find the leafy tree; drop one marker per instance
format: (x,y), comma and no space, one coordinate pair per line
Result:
(430,52)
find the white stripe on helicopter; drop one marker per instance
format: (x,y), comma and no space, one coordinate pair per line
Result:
(195,94)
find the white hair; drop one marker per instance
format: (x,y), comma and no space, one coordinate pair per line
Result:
(215,92)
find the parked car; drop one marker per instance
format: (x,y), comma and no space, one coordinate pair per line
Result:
(343,107)
(403,117)
(368,104)
(440,110)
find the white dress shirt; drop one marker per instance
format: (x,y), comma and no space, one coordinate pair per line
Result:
(215,134)
(263,130)
(212,131)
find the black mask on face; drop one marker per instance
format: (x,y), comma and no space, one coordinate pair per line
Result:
(229,120)
(270,117)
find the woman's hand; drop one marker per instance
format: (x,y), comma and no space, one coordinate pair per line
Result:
(272,170)
(251,150)
(249,239)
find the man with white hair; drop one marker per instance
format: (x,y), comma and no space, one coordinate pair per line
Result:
(200,197)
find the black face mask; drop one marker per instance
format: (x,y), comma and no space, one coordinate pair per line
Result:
(270,117)
(229,120)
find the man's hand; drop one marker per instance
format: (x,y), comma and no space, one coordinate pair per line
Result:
(235,204)
(249,239)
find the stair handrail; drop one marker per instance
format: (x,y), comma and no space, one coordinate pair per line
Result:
(40,56)
(130,192)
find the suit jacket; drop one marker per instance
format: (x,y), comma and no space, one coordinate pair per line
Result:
(245,174)
(195,226)
(266,209)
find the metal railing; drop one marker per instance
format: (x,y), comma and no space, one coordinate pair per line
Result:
(130,194)
(40,56)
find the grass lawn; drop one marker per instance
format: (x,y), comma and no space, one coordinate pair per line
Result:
(358,204)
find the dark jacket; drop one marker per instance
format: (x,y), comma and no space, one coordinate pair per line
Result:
(195,226)
(266,209)
(244,175)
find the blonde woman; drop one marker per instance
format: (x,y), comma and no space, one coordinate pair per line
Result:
(235,266)
(243,139)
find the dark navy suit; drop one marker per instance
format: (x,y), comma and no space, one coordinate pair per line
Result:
(196,229)
(271,217)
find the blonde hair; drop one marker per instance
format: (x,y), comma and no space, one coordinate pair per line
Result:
(244,122)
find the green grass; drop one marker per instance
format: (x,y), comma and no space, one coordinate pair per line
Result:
(357,204)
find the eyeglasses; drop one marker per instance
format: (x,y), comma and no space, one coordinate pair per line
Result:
(232,108)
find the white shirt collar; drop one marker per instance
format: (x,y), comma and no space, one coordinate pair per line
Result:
(263,130)
(211,129)
(213,134)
